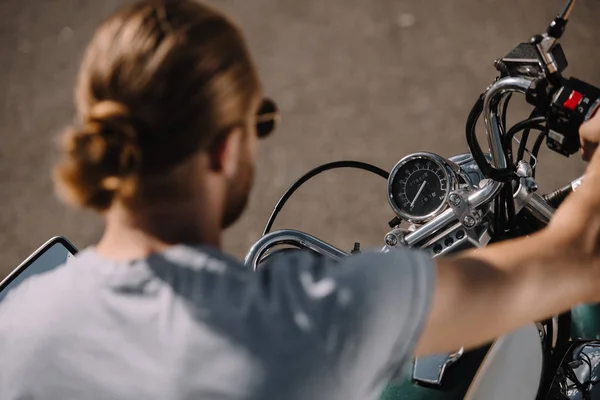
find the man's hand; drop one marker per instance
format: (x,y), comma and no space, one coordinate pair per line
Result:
(484,294)
(578,219)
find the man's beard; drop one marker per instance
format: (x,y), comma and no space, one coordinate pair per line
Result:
(238,193)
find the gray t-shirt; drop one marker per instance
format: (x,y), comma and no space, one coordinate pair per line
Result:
(192,323)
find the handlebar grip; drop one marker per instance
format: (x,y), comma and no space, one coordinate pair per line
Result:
(556,197)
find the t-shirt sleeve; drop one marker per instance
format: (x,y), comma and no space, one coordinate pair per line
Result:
(366,312)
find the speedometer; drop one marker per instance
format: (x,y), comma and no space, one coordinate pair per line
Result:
(419,185)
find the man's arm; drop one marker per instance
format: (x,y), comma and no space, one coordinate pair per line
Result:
(484,294)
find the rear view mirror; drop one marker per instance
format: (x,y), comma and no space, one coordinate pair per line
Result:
(50,255)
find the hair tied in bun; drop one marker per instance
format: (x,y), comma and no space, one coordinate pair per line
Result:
(101,159)
(114,116)
(113,122)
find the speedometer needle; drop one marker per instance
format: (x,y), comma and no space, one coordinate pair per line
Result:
(412,203)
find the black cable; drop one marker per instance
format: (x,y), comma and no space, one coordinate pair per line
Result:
(498,227)
(506,144)
(472,142)
(485,168)
(506,207)
(571,375)
(538,142)
(525,137)
(590,381)
(582,387)
(497,174)
(529,123)
(505,108)
(558,367)
(504,198)
(525,125)
(589,364)
(510,205)
(501,216)
(314,172)
(523,144)
(536,149)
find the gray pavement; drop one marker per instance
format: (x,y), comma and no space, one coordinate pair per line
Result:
(366,80)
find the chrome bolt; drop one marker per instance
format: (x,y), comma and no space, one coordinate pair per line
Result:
(524,170)
(530,184)
(469,221)
(454,199)
(391,239)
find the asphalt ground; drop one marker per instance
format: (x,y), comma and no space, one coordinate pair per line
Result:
(365,80)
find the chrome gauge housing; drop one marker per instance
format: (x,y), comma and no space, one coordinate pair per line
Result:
(419,186)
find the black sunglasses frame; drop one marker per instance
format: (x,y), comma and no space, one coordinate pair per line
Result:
(267,118)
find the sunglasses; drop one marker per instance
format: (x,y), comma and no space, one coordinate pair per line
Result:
(267,118)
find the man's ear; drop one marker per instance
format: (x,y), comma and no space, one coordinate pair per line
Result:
(226,153)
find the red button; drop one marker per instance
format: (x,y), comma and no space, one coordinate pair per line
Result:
(573,100)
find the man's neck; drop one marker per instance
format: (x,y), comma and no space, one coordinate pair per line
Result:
(134,234)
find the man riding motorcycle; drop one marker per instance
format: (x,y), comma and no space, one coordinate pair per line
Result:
(170,109)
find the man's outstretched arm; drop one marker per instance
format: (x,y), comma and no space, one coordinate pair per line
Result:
(482,294)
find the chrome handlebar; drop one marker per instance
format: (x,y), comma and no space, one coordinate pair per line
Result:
(492,126)
(477,199)
(490,115)
(296,238)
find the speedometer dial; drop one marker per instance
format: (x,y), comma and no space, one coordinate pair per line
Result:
(418,187)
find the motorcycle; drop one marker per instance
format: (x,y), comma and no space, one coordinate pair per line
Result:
(444,205)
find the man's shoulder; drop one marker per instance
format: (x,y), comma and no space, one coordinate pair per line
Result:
(36,309)
(39,289)
(199,258)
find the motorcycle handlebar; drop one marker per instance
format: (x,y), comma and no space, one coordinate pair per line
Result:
(491,119)
(490,190)
(537,204)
